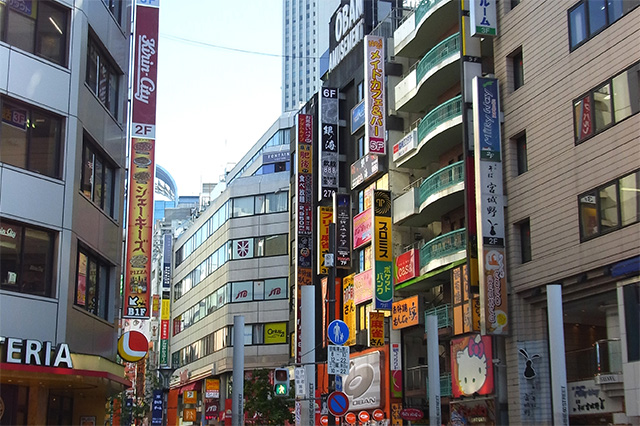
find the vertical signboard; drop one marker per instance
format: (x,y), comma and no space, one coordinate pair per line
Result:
(165,316)
(483,18)
(328,146)
(166,262)
(137,284)
(395,365)
(466,305)
(383,265)
(349,308)
(374,96)
(325,217)
(304,219)
(342,218)
(376,329)
(490,207)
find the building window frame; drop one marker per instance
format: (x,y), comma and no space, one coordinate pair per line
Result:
(93,283)
(28,268)
(594,213)
(103,76)
(516,62)
(524,231)
(21,125)
(580,18)
(98,178)
(520,146)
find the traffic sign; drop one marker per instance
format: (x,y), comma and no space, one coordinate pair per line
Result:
(324,420)
(338,382)
(338,332)
(378,414)
(338,403)
(338,360)
(300,381)
(363,416)
(350,418)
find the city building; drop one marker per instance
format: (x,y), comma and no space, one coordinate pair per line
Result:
(63,139)
(232,261)
(305,42)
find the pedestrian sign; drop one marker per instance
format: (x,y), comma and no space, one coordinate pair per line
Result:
(338,332)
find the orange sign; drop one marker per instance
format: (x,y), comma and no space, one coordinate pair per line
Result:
(363,416)
(404,313)
(350,418)
(376,329)
(324,420)
(189,414)
(190,397)
(139,230)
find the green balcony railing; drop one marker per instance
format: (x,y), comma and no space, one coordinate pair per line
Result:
(444,178)
(445,385)
(444,245)
(441,114)
(443,50)
(443,314)
(424,7)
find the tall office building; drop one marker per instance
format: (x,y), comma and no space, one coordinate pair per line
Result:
(305,38)
(63,95)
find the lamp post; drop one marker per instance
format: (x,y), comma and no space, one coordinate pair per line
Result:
(165,374)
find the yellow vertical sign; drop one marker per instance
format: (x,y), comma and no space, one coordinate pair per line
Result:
(325,217)
(349,309)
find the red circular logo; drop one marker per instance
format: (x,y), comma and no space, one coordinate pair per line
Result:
(363,416)
(378,414)
(350,418)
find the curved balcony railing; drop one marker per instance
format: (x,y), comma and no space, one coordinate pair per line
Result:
(441,114)
(444,245)
(444,178)
(443,50)
(424,7)
(443,314)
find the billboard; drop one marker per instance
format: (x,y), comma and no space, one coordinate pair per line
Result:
(362,232)
(328,143)
(137,283)
(342,209)
(374,96)
(471,366)
(382,242)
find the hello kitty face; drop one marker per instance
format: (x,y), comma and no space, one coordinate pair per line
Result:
(472,366)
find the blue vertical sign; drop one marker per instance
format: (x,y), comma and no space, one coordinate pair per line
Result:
(156,408)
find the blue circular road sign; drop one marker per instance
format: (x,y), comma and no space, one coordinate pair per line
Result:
(338,403)
(338,332)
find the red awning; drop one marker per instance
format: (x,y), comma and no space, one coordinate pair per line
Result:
(197,385)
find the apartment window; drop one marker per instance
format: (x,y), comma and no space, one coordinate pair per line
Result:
(243,206)
(525,241)
(521,153)
(514,3)
(115,7)
(98,178)
(588,17)
(517,69)
(102,76)
(609,207)
(30,138)
(360,92)
(92,284)
(607,104)
(38,27)
(361,146)
(26,258)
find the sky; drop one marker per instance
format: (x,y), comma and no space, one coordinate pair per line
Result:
(219,84)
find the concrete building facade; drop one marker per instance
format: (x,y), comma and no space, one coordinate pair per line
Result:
(63,94)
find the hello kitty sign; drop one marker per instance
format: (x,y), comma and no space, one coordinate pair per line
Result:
(471,366)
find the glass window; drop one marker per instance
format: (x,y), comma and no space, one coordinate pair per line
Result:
(518,70)
(30,138)
(521,148)
(259,207)
(92,284)
(36,27)
(608,197)
(626,93)
(577,25)
(115,7)
(258,290)
(26,259)
(630,199)
(102,77)
(588,215)
(243,206)
(275,245)
(602,107)
(277,202)
(258,334)
(597,15)
(525,241)
(631,295)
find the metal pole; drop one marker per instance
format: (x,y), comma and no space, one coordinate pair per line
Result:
(332,301)
(237,394)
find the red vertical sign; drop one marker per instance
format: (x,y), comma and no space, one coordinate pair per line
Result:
(142,168)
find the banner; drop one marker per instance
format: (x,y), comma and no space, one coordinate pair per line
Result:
(349,308)
(374,97)
(383,275)
(137,281)
(328,143)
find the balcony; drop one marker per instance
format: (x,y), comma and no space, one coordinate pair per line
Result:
(436,72)
(441,192)
(438,131)
(601,362)
(443,250)
(415,35)
(417,382)
(443,313)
